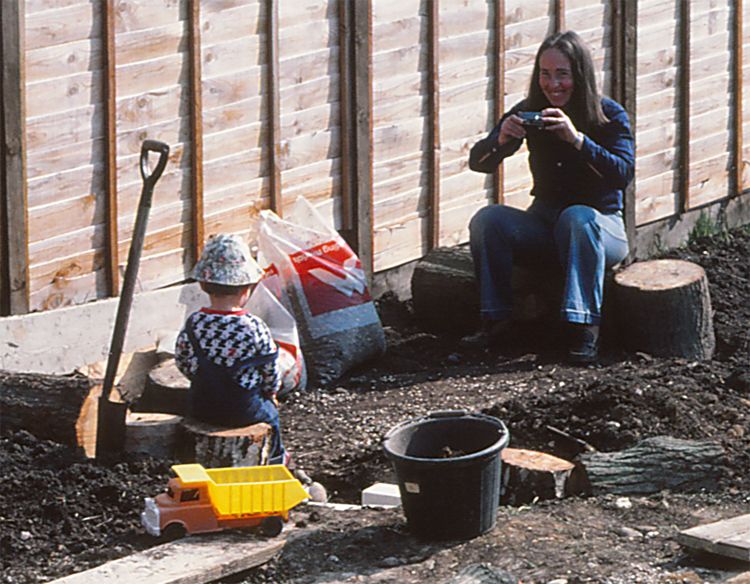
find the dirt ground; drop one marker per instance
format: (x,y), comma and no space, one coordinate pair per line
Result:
(60,513)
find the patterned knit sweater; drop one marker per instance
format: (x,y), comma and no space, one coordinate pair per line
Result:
(226,337)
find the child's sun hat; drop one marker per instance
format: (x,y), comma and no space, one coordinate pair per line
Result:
(226,260)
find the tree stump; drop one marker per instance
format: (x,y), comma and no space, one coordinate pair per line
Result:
(528,474)
(153,434)
(445,295)
(655,464)
(216,447)
(165,391)
(664,309)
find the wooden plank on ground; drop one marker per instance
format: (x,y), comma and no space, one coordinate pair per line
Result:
(189,561)
(730,537)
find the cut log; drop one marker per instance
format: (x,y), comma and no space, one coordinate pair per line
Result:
(729,537)
(47,406)
(653,465)
(528,475)
(217,447)
(445,295)
(444,290)
(665,309)
(154,434)
(166,390)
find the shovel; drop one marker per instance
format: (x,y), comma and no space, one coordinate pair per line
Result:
(110,418)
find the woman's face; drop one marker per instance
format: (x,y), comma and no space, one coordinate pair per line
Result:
(555,77)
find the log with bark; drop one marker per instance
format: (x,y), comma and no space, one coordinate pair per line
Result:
(216,447)
(655,464)
(665,309)
(47,406)
(445,295)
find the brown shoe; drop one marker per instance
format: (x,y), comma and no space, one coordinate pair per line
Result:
(491,333)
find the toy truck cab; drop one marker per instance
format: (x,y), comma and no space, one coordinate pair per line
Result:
(202,500)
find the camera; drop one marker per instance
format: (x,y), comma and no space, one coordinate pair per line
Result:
(531,119)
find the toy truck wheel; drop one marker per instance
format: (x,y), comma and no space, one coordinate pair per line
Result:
(174,531)
(272,526)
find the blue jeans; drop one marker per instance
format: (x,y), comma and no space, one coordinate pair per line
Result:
(585,242)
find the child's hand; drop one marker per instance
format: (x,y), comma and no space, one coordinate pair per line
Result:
(275,400)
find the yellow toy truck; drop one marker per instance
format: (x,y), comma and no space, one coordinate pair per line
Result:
(200,500)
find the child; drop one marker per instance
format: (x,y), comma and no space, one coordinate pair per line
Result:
(228,354)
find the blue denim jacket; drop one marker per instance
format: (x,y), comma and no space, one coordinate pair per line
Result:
(595,176)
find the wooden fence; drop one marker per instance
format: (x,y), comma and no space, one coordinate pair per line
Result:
(365,107)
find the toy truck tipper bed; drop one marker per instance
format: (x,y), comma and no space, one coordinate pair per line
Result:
(200,500)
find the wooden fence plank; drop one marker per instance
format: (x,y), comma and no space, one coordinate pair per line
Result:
(346,75)
(272,84)
(625,29)
(65,25)
(729,537)
(4,226)
(61,60)
(363,88)
(737,98)
(15,185)
(559,15)
(433,89)
(498,89)
(196,126)
(147,14)
(109,92)
(684,95)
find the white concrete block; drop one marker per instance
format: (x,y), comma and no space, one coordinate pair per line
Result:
(381,495)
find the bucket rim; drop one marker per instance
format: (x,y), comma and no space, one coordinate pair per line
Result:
(432,416)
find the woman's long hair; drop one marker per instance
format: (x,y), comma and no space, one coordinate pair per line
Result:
(584,107)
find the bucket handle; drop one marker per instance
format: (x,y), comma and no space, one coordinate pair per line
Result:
(431,415)
(448,414)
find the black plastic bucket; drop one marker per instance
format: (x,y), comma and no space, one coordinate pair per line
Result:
(448,470)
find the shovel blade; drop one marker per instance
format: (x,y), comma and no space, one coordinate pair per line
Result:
(110,427)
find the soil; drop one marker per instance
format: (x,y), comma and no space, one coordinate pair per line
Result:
(61,513)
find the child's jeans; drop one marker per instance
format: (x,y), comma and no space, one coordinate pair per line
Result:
(585,241)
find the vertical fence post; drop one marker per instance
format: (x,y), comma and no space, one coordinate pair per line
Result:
(346,73)
(363,132)
(196,126)
(4,275)
(738,97)
(274,121)
(625,70)
(110,133)
(684,105)
(14,188)
(559,15)
(498,92)
(433,76)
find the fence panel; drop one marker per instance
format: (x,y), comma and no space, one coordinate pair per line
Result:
(257,99)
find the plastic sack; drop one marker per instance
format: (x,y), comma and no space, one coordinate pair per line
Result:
(265,305)
(321,281)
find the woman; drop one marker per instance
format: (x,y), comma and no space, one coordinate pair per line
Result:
(581,160)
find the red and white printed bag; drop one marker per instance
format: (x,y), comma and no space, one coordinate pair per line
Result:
(265,305)
(322,283)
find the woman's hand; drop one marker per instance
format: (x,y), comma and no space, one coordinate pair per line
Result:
(557,121)
(512,129)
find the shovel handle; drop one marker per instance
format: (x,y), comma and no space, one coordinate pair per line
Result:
(150,177)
